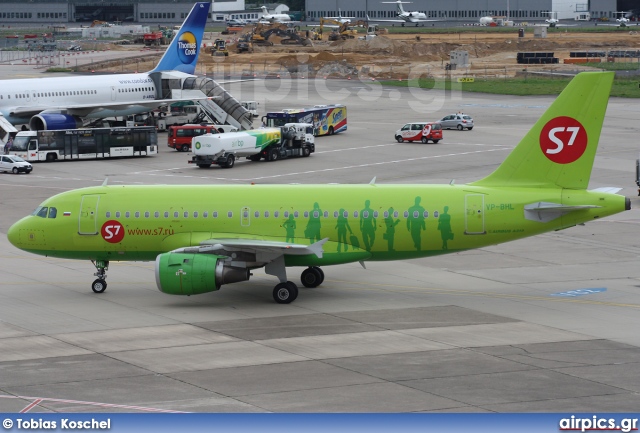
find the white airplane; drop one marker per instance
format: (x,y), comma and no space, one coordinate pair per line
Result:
(405,17)
(340,18)
(553,20)
(623,21)
(273,18)
(61,102)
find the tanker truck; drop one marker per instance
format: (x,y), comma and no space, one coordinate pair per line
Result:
(271,144)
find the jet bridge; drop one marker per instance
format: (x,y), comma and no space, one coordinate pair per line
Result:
(220,106)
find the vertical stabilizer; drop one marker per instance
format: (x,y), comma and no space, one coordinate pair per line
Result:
(182,53)
(560,148)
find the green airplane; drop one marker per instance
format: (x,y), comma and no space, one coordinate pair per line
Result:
(208,236)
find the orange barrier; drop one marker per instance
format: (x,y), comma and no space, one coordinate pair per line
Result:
(582,60)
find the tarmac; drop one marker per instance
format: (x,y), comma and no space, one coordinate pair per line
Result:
(545,324)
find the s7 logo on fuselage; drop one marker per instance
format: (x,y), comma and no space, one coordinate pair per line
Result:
(112,231)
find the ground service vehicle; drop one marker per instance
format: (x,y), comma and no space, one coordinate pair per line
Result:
(293,139)
(326,119)
(457,121)
(14,164)
(219,48)
(85,143)
(180,136)
(419,131)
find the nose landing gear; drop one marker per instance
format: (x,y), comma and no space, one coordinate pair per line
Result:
(100,285)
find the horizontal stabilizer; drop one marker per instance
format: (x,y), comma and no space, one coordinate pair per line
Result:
(607,189)
(545,211)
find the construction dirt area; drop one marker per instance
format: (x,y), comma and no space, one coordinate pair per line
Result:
(402,56)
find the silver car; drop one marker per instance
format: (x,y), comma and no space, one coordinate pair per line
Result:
(457,121)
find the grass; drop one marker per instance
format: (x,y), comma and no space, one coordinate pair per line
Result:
(615,66)
(622,87)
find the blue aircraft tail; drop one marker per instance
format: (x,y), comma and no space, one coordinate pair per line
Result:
(183,51)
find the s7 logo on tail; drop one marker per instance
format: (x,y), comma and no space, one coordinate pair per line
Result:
(563,140)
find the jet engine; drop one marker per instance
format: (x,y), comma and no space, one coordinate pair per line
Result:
(192,274)
(54,121)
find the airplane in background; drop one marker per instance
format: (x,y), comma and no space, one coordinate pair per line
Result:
(61,102)
(553,21)
(204,236)
(340,18)
(404,17)
(623,21)
(273,18)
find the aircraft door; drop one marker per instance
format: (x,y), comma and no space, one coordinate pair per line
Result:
(245,217)
(474,214)
(87,220)
(113,93)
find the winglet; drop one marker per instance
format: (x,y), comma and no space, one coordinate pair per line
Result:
(373,181)
(316,248)
(106,179)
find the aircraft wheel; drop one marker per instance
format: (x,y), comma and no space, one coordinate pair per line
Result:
(311,277)
(321,272)
(99,285)
(399,139)
(285,293)
(425,140)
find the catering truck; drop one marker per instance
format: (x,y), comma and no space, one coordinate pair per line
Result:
(292,139)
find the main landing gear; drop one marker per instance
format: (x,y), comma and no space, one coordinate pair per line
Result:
(100,285)
(285,292)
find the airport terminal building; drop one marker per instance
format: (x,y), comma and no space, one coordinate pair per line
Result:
(174,11)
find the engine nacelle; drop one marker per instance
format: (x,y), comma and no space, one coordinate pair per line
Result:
(192,274)
(54,122)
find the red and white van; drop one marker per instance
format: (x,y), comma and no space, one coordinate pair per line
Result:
(179,136)
(419,131)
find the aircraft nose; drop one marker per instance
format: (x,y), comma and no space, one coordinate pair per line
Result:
(14,235)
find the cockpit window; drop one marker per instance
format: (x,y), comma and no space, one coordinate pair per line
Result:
(53,212)
(41,212)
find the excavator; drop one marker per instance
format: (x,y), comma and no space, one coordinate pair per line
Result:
(289,36)
(342,30)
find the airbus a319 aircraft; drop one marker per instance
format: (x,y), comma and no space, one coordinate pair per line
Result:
(203,237)
(61,102)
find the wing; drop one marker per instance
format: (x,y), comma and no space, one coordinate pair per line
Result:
(86,109)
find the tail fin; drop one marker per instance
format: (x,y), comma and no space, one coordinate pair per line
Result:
(182,53)
(559,150)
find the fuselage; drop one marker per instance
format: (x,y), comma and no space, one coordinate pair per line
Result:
(60,92)
(361,222)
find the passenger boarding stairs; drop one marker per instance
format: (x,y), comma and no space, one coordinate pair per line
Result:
(222,108)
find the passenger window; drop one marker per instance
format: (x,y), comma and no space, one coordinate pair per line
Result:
(53,212)
(375,214)
(256,214)
(146,214)
(295,214)
(426,214)
(266,214)
(395,214)
(108,214)
(436,214)
(195,214)
(214,214)
(166,214)
(156,214)
(306,214)
(137,214)
(406,127)
(127,214)
(205,214)
(230,214)
(186,214)
(386,214)
(176,214)
(286,214)
(406,214)
(117,214)
(276,214)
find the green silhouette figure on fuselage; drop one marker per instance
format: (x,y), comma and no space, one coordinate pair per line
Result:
(368,226)
(415,223)
(342,225)
(390,224)
(444,225)
(290,227)
(312,232)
